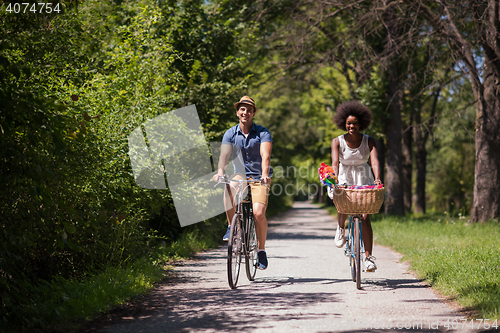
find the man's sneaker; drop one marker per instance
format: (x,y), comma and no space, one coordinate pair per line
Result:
(226,235)
(370,264)
(262,264)
(339,237)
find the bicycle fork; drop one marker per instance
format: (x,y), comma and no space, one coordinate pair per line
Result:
(350,236)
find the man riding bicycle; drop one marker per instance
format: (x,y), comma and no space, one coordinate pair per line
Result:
(252,144)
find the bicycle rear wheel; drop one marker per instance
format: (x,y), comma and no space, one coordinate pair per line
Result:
(251,257)
(234,251)
(357,250)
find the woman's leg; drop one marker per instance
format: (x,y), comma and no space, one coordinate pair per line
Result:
(340,233)
(368,241)
(341,220)
(366,227)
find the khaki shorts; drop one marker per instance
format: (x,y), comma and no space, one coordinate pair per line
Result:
(260,193)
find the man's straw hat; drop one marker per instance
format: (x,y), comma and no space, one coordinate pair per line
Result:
(245,100)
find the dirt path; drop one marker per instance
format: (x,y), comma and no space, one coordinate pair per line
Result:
(307,288)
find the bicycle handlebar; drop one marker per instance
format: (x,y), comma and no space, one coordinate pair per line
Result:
(226,180)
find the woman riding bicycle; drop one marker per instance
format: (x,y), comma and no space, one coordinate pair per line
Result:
(350,153)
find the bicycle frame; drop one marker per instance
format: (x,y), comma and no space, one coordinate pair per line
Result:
(353,243)
(243,233)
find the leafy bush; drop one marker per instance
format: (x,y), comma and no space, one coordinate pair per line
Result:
(72,88)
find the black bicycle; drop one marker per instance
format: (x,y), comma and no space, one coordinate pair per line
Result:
(242,235)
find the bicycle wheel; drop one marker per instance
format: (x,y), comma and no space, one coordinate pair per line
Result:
(357,249)
(234,251)
(251,257)
(351,250)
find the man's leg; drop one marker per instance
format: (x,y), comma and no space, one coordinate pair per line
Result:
(230,192)
(259,213)
(259,199)
(230,210)
(228,205)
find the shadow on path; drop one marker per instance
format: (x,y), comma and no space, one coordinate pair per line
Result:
(197,298)
(190,309)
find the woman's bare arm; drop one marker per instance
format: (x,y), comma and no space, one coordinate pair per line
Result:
(372,144)
(335,156)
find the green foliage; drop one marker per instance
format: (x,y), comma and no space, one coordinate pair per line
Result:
(72,88)
(211,67)
(299,116)
(61,303)
(74,85)
(373,94)
(452,155)
(459,259)
(43,135)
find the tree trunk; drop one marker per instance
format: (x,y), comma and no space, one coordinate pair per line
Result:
(420,162)
(394,201)
(486,195)
(407,167)
(381,158)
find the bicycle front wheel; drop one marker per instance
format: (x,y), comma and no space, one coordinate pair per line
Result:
(251,257)
(234,251)
(357,250)
(351,248)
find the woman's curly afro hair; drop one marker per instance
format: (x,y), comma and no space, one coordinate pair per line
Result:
(356,109)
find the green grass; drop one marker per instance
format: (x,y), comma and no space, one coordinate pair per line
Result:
(64,305)
(460,260)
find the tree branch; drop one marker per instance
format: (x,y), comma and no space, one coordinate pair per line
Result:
(457,42)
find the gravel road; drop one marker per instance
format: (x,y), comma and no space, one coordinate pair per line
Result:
(306,288)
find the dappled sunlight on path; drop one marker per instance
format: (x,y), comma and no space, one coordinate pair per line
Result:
(307,288)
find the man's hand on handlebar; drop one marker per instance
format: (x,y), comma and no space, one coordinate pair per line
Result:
(266,180)
(218,178)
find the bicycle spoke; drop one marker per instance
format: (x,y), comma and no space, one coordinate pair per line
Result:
(357,246)
(234,251)
(251,257)
(351,250)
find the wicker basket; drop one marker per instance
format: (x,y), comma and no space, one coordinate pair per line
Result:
(350,201)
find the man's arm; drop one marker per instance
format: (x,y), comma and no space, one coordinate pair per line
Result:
(225,152)
(265,153)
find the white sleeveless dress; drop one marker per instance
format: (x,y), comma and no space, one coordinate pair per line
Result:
(353,166)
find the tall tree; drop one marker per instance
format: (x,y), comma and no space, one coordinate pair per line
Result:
(350,37)
(473,31)
(394,203)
